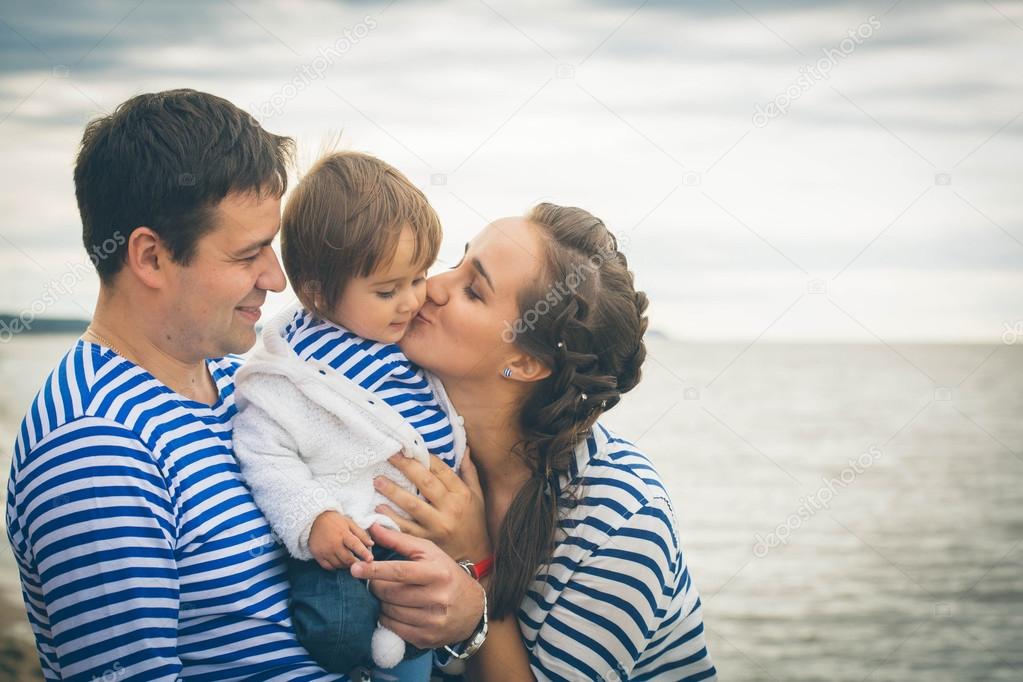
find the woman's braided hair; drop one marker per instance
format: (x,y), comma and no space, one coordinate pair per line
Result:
(585,321)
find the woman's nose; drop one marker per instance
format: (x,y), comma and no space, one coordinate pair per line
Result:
(437,289)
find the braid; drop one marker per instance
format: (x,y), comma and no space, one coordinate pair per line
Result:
(592,341)
(632,363)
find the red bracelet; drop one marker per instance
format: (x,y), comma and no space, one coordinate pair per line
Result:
(482,568)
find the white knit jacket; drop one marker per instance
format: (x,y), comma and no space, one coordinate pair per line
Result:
(309,440)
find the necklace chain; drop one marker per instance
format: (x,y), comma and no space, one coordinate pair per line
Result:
(103,340)
(106,342)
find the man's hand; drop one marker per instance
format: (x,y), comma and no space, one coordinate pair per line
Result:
(428,600)
(335,541)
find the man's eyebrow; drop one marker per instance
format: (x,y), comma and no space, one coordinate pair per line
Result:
(254,245)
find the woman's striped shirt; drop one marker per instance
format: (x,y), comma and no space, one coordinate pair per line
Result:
(380,368)
(141,552)
(618,602)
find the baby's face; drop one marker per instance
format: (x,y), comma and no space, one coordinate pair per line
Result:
(379,307)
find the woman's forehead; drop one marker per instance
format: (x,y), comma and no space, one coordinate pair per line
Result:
(514,239)
(511,251)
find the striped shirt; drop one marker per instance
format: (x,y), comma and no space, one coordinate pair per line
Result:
(380,368)
(141,553)
(618,602)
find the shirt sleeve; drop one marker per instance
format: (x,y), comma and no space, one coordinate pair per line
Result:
(94,528)
(628,611)
(282,484)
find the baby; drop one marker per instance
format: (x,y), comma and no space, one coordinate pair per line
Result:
(329,396)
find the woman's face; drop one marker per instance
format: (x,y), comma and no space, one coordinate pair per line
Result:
(460,332)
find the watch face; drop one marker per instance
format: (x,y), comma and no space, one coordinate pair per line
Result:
(475,641)
(471,645)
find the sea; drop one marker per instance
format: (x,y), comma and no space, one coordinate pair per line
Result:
(848,512)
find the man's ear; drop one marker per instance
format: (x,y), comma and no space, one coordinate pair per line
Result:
(527,368)
(147,257)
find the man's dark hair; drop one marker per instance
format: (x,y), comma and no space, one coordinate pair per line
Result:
(165,160)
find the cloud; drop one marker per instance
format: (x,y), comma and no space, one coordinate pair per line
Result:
(591,103)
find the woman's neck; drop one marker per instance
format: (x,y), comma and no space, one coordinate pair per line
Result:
(491,418)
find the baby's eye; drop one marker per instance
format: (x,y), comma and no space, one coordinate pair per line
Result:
(387,294)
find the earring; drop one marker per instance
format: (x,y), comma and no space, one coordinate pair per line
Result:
(506,372)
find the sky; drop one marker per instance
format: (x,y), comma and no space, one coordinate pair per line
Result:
(775,171)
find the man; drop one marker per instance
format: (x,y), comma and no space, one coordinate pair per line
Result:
(140,549)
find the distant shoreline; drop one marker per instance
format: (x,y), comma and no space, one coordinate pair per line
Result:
(14,325)
(17,325)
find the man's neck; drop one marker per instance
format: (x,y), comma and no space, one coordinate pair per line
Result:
(135,341)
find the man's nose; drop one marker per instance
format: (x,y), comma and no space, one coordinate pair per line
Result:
(272,277)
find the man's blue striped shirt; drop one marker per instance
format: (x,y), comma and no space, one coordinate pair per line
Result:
(140,549)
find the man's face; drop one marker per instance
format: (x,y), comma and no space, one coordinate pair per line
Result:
(214,301)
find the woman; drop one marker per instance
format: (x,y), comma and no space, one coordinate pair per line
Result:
(535,333)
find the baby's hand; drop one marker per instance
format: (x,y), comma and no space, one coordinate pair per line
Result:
(335,541)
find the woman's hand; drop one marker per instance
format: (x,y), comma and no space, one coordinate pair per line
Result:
(452,515)
(427,599)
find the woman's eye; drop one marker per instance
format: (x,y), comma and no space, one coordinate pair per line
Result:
(387,294)
(473,296)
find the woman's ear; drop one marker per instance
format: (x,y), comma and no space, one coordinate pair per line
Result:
(527,368)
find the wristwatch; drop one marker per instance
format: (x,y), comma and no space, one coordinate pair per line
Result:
(479,569)
(476,639)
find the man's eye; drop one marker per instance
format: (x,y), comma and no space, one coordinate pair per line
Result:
(253,257)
